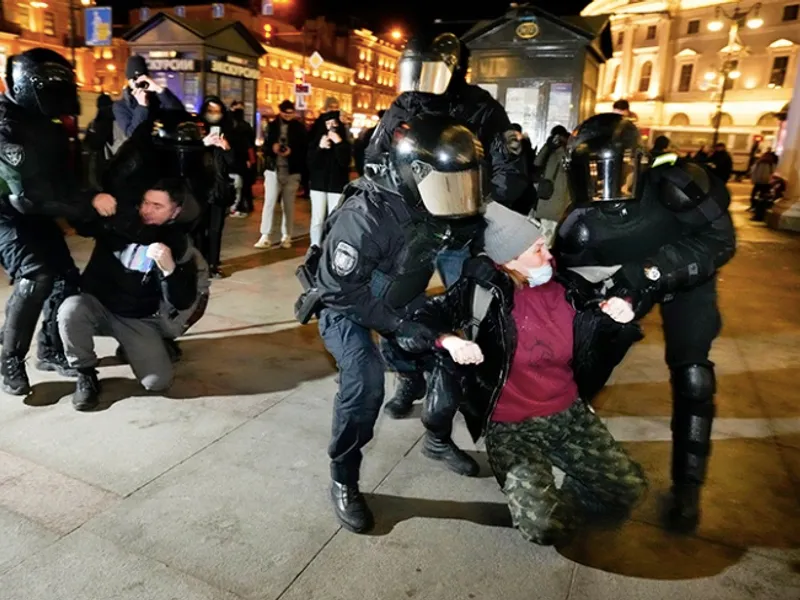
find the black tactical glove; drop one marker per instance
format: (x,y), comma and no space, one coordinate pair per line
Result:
(415,337)
(633,283)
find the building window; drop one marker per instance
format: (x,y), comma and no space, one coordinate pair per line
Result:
(790,12)
(651,32)
(49,24)
(644,78)
(778,74)
(694,27)
(732,66)
(24,16)
(620,38)
(679,120)
(685,81)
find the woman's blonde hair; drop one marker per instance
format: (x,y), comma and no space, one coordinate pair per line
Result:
(520,281)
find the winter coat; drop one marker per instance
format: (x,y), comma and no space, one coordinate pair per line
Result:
(600,344)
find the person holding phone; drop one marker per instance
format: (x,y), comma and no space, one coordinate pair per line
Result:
(285,153)
(143,100)
(328,164)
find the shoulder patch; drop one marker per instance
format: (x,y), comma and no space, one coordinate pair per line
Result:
(13,154)
(345,259)
(513,143)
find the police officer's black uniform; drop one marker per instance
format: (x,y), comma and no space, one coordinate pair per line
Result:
(36,186)
(669,230)
(431,78)
(377,260)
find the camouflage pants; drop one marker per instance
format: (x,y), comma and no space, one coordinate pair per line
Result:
(600,478)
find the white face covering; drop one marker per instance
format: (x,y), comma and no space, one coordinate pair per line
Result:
(540,275)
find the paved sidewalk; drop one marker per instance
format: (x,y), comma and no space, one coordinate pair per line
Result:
(219,490)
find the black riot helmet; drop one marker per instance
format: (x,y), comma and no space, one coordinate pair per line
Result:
(182,150)
(605,160)
(42,81)
(429,66)
(437,163)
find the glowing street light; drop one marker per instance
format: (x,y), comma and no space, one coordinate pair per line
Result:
(716,25)
(397,34)
(710,76)
(37,4)
(734,74)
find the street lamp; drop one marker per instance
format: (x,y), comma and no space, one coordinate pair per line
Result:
(397,34)
(739,18)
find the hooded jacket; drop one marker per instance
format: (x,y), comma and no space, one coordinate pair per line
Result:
(328,169)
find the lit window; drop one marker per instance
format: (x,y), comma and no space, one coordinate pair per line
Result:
(778,73)
(644,78)
(49,24)
(685,80)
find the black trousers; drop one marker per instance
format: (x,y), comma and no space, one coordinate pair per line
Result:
(208,235)
(35,254)
(691,322)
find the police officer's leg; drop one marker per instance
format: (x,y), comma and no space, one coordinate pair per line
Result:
(356,408)
(691,322)
(411,384)
(441,405)
(50,350)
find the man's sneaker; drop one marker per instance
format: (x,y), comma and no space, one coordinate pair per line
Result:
(239,215)
(351,508)
(286,243)
(453,457)
(409,388)
(87,390)
(50,361)
(15,377)
(263,243)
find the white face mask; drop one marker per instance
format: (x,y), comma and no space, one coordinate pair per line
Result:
(540,275)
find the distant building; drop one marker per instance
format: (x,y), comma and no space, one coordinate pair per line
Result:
(668,58)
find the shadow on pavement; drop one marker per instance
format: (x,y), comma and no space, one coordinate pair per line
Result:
(393,510)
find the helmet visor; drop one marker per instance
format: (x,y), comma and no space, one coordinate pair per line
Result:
(452,195)
(55,90)
(612,179)
(428,76)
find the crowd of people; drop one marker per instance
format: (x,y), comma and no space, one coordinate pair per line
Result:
(550,257)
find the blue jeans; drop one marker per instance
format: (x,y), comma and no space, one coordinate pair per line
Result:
(450,263)
(360,396)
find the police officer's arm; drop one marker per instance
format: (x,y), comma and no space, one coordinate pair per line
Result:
(709,240)
(381,141)
(509,170)
(351,251)
(31,192)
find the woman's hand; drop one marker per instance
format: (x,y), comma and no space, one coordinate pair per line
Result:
(324,142)
(618,309)
(462,351)
(334,137)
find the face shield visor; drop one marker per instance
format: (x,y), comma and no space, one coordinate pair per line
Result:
(427,73)
(450,195)
(606,177)
(55,90)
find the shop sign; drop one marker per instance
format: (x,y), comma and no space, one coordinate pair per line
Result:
(171,64)
(226,68)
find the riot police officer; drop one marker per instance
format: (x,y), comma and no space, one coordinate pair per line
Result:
(432,80)
(377,261)
(36,186)
(655,234)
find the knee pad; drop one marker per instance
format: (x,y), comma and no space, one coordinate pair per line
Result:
(38,286)
(694,383)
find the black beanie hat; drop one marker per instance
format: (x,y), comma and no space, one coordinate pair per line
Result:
(135,67)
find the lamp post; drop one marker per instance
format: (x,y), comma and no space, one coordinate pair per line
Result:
(738,18)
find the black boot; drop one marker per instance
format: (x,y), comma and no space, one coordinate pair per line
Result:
(683,515)
(50,361)
(453,457)
(410,387)
(351,508)
(87,390)
(15,378)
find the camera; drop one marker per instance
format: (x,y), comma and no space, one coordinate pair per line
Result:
(142,85)
(282,148)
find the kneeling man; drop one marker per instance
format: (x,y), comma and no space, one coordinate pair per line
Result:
(127,279)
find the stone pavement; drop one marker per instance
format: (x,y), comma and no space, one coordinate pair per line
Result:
(219,490)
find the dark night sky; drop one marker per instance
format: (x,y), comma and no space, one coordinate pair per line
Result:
(379,15)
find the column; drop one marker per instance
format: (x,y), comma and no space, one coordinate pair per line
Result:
(664,67)
(787,215)
(626,73)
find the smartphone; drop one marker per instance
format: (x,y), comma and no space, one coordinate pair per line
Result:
(216,130)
